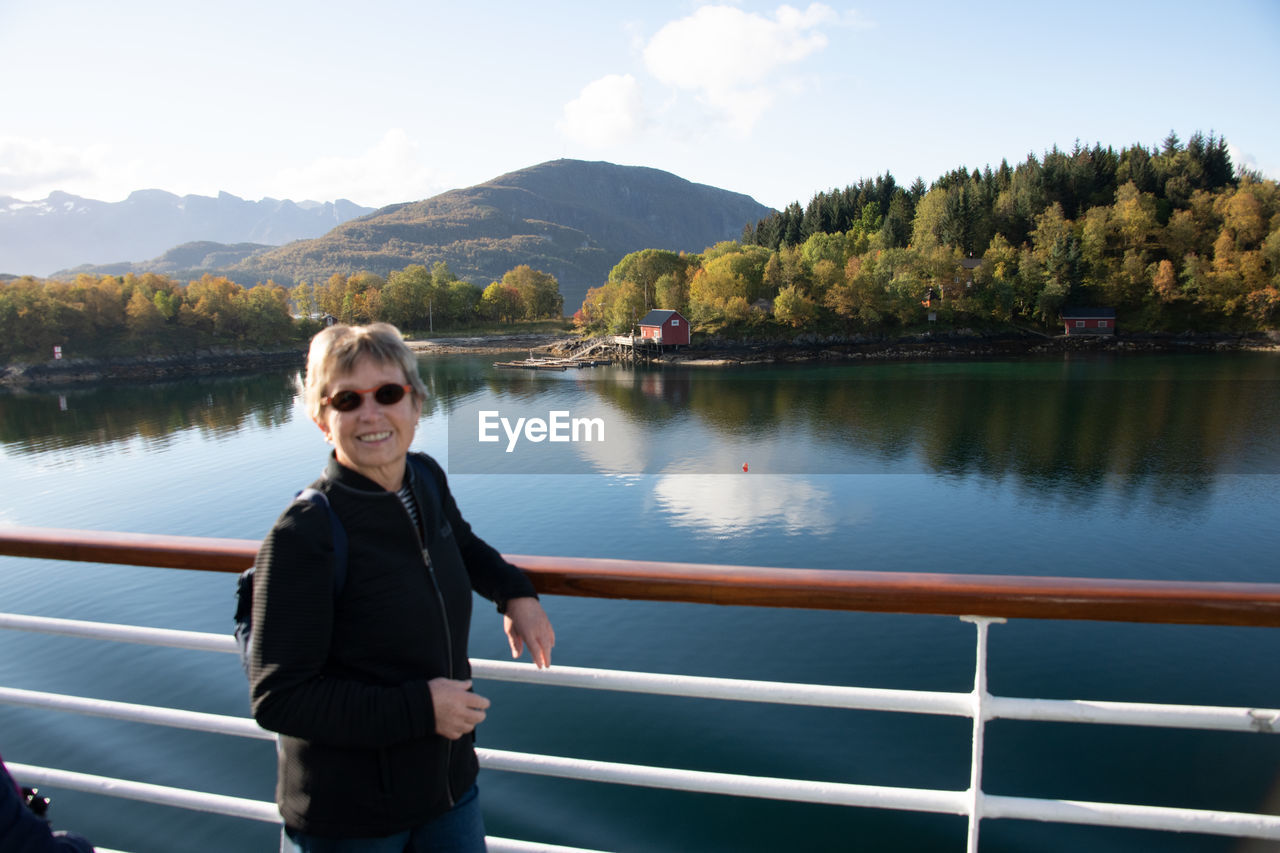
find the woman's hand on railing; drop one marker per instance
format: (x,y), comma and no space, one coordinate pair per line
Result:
(526,624)
(458,710)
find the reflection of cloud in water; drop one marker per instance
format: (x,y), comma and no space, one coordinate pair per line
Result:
(686,445)
(724,503)
(625,448)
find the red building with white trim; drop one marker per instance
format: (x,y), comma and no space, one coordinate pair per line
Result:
(665,328)
(1088,321)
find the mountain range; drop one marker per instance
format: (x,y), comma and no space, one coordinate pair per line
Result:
(43,237)
(571,218)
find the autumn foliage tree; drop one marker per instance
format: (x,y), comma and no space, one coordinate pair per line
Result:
(539,292)
(501,303)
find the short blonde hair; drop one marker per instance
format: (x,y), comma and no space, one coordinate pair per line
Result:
(336,350)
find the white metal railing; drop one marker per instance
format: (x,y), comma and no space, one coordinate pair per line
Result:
(978,704)
(212,803)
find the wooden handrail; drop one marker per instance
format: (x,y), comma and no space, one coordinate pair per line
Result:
(130,549)
(1015,596)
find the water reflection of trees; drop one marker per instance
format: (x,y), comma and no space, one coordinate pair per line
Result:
(1076,433)
(1055,427)
(32,422)
(452,379)
(36,420)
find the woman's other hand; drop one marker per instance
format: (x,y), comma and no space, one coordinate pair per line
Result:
(458,710)
(526,624)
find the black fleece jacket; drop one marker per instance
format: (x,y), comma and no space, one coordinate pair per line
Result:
(343,679)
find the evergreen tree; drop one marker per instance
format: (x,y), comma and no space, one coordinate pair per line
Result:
(896,230)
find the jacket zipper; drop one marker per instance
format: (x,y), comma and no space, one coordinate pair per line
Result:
(448,645)
(444,620)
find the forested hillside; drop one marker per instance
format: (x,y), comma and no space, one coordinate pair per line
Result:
(1171,237)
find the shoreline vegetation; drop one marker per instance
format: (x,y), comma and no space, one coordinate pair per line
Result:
(956,346)
(1182,246)
(928,346)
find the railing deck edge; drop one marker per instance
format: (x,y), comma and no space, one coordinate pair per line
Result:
(1010,596)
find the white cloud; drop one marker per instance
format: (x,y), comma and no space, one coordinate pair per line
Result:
(607,112)
(33,168)
(731,60)
(1240,158)
(391,171)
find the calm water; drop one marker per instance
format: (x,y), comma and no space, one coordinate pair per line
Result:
(1144,467)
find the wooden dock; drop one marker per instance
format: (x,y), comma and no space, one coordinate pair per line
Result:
(606,349)
(550,363)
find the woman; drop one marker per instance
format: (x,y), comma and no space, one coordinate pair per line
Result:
(367,679)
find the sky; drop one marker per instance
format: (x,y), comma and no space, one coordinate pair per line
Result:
(382,102)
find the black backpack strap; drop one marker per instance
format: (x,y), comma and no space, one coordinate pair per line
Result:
(339,536)
(244,583)
(422,472)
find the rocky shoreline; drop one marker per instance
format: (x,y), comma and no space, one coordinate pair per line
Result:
(76,371)
(958,345)
(718,352)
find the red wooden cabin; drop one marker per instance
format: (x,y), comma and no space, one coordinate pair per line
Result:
(1088,321)
(664,328)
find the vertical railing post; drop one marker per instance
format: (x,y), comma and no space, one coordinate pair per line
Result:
(979,710)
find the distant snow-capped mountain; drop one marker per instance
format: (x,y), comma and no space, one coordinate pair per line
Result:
(62,231)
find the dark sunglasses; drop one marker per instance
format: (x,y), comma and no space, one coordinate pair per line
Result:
(350,400)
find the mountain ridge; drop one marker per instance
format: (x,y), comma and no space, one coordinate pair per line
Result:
(63,230)
(574,219)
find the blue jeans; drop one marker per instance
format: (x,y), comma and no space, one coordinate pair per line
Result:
(459,830)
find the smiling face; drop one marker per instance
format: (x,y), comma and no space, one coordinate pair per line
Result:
(372,439)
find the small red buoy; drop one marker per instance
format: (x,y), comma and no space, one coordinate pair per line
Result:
(744,466)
